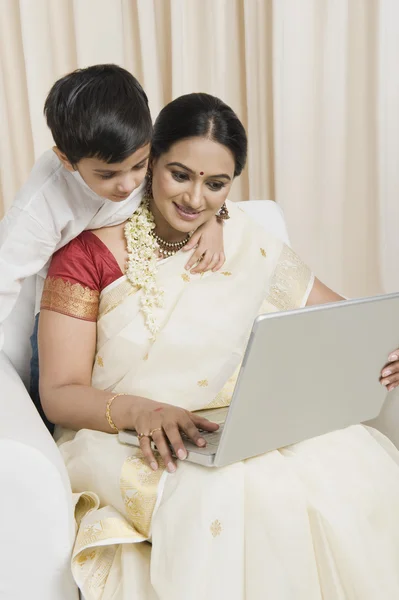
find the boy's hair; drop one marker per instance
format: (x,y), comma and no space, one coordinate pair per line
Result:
(101,111)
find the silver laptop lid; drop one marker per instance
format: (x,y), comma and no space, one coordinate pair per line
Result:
(307,372)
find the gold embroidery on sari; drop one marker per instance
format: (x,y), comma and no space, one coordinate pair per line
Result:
(290,281)
(87,502)
(98,576)
(115,297)
(185,277)
(223,398)
(71,299)
(226,273)
(99,361)
(203,383)
(92,561)
(91,569)
(86,555)
(139,489)
(104,529)
(216,528)
(263,252)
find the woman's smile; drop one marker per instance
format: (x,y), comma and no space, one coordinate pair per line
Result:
(185,212)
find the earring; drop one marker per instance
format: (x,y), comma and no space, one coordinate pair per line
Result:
(148,186)
(223,213)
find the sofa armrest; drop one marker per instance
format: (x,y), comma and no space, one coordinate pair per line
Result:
(36,512)
(269,215)
(20,420)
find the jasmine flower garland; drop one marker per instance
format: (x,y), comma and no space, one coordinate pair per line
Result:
(141,268)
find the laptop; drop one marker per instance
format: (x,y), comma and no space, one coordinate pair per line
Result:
(305,373)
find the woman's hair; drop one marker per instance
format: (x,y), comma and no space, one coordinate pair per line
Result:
(200,115)
(101,111)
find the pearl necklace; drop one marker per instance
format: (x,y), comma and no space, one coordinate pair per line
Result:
(169,248)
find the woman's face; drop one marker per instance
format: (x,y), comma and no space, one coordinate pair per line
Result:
(190,183)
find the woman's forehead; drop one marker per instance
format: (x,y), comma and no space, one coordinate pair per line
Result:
(201,155)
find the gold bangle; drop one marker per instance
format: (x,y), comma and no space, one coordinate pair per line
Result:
(108,412)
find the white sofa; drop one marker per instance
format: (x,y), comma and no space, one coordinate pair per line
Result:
(36,517)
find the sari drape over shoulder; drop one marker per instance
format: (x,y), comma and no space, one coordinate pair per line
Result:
(315,521)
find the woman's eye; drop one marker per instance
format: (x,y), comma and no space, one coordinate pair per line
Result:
(215,186)
(180,177)
(107,176)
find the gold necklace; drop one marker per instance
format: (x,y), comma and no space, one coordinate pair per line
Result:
(169,248)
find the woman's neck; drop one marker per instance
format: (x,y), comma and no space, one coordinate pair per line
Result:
(163,229)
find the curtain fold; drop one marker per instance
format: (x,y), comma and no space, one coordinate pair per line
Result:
(315,82)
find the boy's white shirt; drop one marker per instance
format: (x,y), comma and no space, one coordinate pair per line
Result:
(50,210)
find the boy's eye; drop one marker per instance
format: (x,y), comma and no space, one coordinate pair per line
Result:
(215,186)
(180,177)
(107,175)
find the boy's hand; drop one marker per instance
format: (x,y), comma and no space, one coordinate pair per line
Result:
(209,254)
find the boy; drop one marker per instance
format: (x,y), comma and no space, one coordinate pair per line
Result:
(101,124)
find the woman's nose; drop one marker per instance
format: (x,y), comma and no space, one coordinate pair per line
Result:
(196,196)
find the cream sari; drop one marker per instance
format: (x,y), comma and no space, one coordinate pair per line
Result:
(315,521)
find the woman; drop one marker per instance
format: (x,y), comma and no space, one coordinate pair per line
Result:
(316,520)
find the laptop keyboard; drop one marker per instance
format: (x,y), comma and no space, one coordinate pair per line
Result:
(213,438)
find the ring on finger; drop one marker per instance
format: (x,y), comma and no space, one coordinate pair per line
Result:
(154,430)
(143,435)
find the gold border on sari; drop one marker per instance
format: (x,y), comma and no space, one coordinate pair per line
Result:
(115,296)
(139,489)
(71,299)
(290,281)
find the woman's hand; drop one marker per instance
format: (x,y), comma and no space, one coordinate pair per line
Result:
(163,423)
(390,373)
(209,254)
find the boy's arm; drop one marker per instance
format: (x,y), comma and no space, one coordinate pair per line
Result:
(209,254)
(25,247)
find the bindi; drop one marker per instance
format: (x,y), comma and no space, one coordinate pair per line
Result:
(201,173)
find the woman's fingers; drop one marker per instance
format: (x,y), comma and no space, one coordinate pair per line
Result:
(159,439)
(390,369)
(145,445)
(166,433)
(142,427)
(173,434)
(390,374)
(192,432)
(203,423)
(390,381)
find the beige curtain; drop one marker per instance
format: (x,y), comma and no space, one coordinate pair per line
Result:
(316,83)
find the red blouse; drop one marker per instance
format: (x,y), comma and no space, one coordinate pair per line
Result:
(78,273)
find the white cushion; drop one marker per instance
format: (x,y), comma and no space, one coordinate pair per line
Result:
(18,328)
(268,214)
(36,512)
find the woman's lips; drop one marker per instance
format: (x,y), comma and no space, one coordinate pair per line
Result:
(186,213)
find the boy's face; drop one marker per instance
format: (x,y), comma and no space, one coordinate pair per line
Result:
(114,181)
